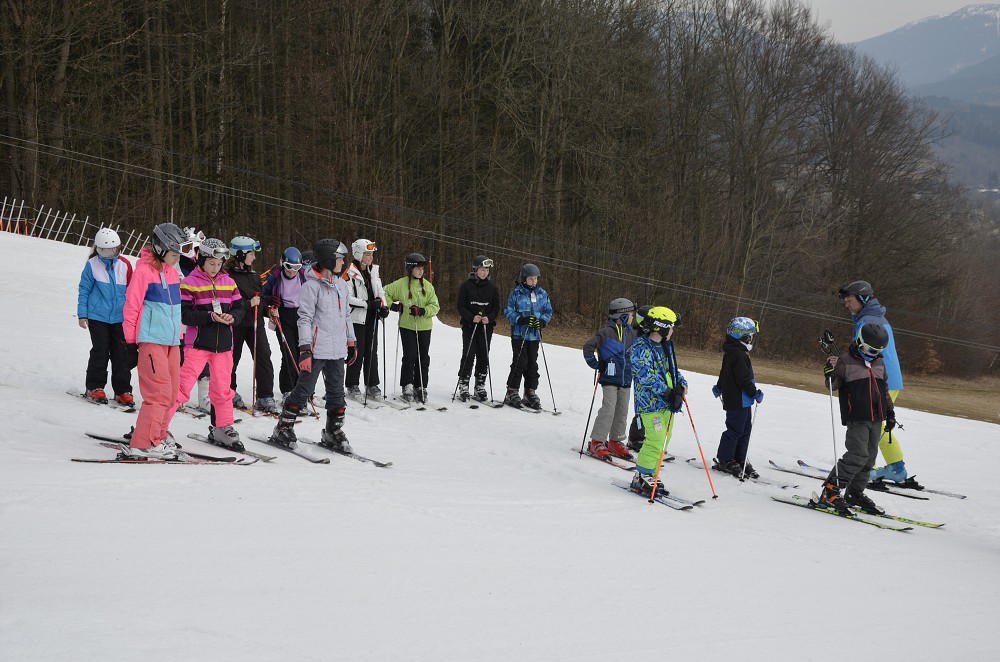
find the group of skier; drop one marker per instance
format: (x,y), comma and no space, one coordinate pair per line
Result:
(326,312)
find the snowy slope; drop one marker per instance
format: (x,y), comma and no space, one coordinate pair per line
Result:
(488,540)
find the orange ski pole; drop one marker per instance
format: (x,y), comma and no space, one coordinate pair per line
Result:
(700,452)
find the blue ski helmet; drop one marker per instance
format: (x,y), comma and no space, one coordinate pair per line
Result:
(742,327)
(291,259)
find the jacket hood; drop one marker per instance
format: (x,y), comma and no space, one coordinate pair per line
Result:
(147,258)
(312,274)
(871,309)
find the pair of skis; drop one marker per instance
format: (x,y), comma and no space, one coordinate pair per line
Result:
(820,473)
(304,449)
(120,444)
(111,403)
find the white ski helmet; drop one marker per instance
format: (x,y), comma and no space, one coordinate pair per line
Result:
(362,246)
(107,238)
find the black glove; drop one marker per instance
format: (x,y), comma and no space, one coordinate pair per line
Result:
(675,399)
(417,311)
(828,371)
(132,355)
(383,312)
(352,354)
(524,320)
(397,307)
(890,421)
(602,366)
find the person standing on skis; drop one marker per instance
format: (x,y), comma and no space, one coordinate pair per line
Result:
(281,294)
(528,310)
(738,389)
(367,300)
(478,306)
(415,299)
(606,353)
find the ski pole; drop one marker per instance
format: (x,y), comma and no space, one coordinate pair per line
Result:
(827,342)
(385,374)
(548,377)
(395,367)
(420,367)
(368,372)
(465,360)
(295,363)
(753,420)
(489,362)
(701,452)
(663,451)
(253,382)
(589,413)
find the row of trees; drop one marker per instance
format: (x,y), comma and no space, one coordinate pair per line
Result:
(718,156)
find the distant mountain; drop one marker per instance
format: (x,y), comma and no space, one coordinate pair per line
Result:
(978,83)
(938,47)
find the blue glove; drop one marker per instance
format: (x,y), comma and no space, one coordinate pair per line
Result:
(716,391)
(759,396)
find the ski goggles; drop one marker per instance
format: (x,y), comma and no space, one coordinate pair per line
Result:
(108,252)
(186,248)
(219,253)
(371,246)
(868,350)
(291,266)
(247,247)
(488,263)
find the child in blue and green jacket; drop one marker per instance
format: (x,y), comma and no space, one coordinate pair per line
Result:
(659,393)
(528,310)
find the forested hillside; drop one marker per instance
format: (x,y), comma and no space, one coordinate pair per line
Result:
(714,156)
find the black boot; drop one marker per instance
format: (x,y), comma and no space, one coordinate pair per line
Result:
(463,389)
(333,436)
(480,393)
(284,431)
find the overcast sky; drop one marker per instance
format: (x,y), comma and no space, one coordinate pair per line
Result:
(854,20)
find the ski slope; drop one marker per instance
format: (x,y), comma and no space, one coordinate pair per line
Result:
(489,539)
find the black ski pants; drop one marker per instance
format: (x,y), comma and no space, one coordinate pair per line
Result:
(288,338)
(854,468)
(367,346)
(479,353)
(108,344)
(735,440)
(525,364)
(416,357)
(255,338)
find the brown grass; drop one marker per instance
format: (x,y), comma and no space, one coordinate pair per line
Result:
(978,399)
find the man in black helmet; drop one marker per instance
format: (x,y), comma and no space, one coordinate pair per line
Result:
(859,298)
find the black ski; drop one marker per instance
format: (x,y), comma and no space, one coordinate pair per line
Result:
(904,520)
(696,463)
(294,450)
(121,446)
(669,500)
(808,474)
(806,502)
(353,456)
(111,403)
(882,485)
(241,449)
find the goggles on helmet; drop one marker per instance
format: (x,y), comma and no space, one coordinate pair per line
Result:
(247,247)
(219,253)
(186,248)
(371,246)
(292,266)
(868,350)
(488,263)
(107,252)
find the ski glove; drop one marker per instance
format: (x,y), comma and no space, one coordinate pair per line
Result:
(305,358)
(536,323)
(675,399)
(132,354)
(383,312)
(417,311)
(759,396)
(716,391)
(352,353)
(524,320)
(397,307)
(828,371)
(890,421)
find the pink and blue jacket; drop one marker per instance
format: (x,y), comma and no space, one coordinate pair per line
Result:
(153,303)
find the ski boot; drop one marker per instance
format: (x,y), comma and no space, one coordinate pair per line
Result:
(238,401)
(512,399)
(749,471)
(598,449)
(861,501)
(480,392)
(333,436)
(204,403)
(421,395)
(165,450)
(97,395)
(267,405)
(463,389)
(374,392)
(284,431)
(226,436)
(618,449)
(830,498)
(895,472)
(354,392)
(408,394)
(643,484)
(125,399)
(531,399)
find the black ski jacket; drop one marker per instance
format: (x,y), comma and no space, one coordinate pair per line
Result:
(736,380)
(478,297)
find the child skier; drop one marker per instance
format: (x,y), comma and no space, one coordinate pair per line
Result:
(478,306)
(210,307)
(859,374)
(99,309)
(413,296)
(281,292)
(327,344)
(250,330)
(152,327)
(605,352)
(659,394)
(367,302)
(739,391)
(528,310)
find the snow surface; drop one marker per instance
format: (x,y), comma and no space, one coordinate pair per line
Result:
(489,539)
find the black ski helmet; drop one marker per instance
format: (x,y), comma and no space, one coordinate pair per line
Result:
(872,340)
(862,289)
(414,260)
(528,271)
(482,261)
(640,315)
(167,237)
(327,251)
(620,307)
(308,258)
